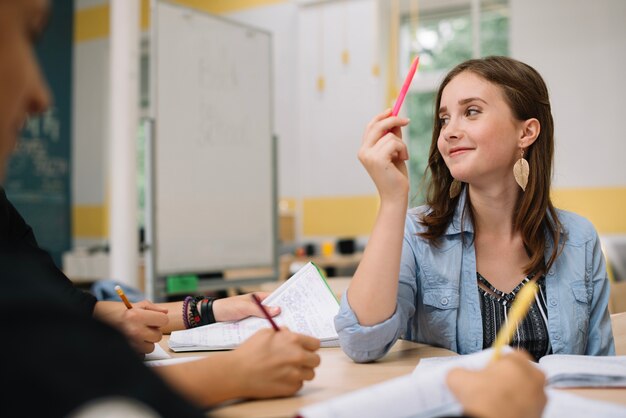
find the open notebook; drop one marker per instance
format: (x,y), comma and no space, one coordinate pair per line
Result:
(565,370)
(424,393)
(570,371)
(308,306)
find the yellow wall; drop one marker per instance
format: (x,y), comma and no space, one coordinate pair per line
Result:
(90,221)
(604,207)
(339,216)
(355,215)
(349,216)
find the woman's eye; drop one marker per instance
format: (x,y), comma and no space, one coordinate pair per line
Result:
(443,120)
(472,112)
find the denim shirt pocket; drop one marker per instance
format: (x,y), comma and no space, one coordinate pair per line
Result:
(438,324)
(581,304)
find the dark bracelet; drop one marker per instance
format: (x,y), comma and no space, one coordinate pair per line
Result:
(194,315)
(206,308)
(185,314)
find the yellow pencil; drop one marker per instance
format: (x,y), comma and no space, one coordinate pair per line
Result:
(518,311)
(123,297)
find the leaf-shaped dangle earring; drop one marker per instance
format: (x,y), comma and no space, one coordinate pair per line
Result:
(521,170)
(455,188)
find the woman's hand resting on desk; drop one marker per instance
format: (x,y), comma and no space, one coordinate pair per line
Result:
(274,364)
(141,325)
(511,387)
(383,154)
(235,308)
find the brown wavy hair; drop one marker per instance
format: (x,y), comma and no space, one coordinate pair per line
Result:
(534,215)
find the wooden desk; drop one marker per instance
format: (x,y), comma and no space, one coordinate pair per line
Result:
(618,322)
(337,374)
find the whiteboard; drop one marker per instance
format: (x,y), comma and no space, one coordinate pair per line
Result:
(214,182)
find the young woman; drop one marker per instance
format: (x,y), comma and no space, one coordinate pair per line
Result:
(446,273)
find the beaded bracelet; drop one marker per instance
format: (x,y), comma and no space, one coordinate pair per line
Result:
(194,316)
(185,306)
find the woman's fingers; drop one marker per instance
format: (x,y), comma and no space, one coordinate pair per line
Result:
(391,148)
(377,129)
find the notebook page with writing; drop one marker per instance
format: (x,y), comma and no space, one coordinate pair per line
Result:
(307,304)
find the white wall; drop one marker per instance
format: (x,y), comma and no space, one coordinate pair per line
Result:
(332,121)
(319,133)
(90,116)
(579,47)
(281,20)
(90,126)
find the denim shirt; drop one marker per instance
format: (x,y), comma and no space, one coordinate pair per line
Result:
(438,301)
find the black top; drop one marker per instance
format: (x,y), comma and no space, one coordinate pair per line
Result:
(17,235)
(54,356)
(532,332)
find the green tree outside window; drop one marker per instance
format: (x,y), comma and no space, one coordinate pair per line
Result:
(443,40)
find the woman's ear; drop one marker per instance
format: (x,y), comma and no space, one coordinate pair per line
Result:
(530,132)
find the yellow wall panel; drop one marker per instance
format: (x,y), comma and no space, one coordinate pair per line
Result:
(91,23)
(604,207)
(90,221)
(227,6)
(339,216)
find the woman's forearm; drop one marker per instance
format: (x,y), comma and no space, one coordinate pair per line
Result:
(205,382)
(373,290)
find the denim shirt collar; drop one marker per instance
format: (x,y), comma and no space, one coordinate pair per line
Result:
(454,227)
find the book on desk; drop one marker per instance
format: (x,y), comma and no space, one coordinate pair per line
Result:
(308,306)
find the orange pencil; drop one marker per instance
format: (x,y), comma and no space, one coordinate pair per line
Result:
(123,297)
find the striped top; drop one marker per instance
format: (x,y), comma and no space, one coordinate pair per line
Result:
(532,333)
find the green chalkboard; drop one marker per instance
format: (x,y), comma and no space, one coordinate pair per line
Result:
(38,181)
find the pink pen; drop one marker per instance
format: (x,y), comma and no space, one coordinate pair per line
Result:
(405,87)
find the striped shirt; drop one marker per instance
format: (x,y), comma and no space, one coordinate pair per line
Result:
(532,333)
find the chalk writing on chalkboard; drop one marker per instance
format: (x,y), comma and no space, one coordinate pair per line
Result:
(33,166)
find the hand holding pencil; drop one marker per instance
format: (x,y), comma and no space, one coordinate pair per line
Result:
(141,323)
(511,387)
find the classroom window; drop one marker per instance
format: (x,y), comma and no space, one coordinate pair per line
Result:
(443,38)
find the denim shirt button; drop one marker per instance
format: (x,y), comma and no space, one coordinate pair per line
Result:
(557,337)
(553,302)
(444,301)
(551,272)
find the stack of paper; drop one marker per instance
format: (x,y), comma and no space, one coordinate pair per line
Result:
(308,306)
